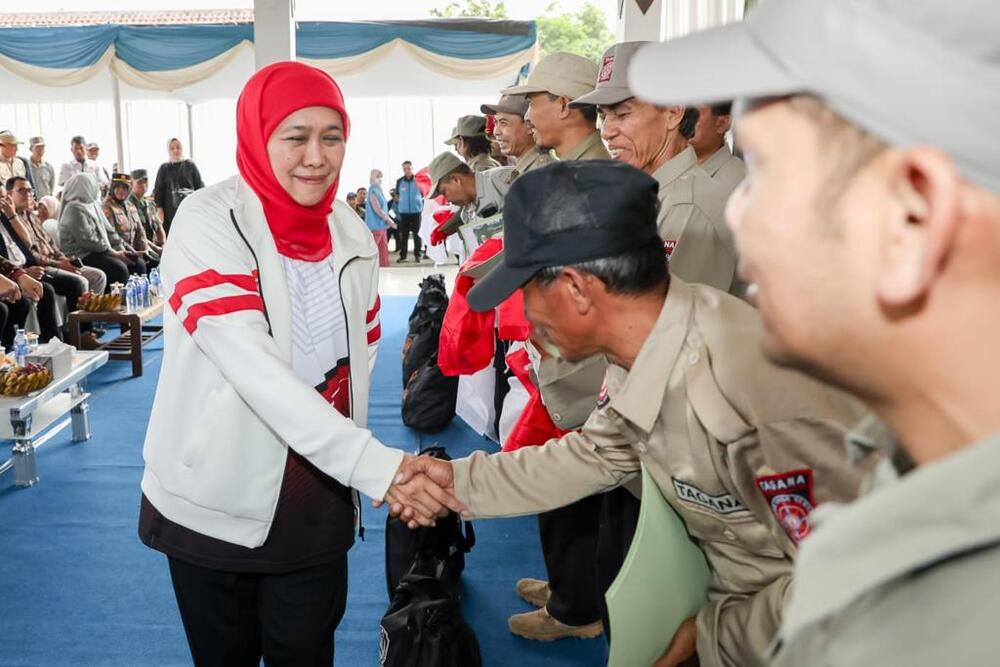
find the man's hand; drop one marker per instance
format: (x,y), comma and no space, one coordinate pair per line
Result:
(9,291)
(682,646)
(66,264)
(36,272)
(422,490)
(30,287)
(7,206)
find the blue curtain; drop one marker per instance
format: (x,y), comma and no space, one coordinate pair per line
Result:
(57,48)
(164,48)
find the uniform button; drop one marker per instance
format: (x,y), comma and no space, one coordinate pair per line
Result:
(729,535)
(693,358)
(556,416)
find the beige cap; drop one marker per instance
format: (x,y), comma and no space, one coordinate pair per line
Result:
(36,141)
(612,79)
(7,137)
(441,166)
(468,126)
(516,104)
(563,74)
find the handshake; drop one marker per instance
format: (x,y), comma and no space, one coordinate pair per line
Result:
(422,491)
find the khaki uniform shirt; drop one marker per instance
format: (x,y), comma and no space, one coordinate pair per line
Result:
(124,217)
(482,162)
(483,219)
(740,448)
(725,168)
(533,159)
(151,224)
(906,576)
(569,389)
(692,223)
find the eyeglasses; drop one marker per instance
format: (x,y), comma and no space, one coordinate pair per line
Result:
(24,191)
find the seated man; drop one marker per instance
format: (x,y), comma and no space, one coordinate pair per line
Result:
(741,449)
(156,236)
(20,267)
(68,276)
(124,217)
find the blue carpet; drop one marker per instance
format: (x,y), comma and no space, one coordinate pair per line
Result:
(78,588)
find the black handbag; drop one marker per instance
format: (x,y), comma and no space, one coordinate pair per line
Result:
(429,398)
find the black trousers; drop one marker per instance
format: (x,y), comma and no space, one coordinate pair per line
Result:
(569,544)
(12,316)
(409,223)
(233,620)
(66,284)
(619,518)
(115,269)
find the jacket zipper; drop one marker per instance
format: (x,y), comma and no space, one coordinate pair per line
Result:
(355,496)
(260,280)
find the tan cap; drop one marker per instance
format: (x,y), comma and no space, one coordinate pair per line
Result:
(516,104)
(36,141)
(441,166)
(468,126)
(563,74)
(7,137)
(612,79)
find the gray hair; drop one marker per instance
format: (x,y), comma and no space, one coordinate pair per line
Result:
(634,272)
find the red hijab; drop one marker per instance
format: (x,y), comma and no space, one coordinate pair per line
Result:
(300,232)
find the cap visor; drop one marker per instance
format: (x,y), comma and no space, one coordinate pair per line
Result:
(605,96)
(484,267)
(711,66)
(488,109)
(452,141)
(523,89)
(496,286)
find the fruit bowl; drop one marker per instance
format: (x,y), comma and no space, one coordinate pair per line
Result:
(99,303)
(22,380)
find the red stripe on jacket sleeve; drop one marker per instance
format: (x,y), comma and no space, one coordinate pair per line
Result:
(373,313)
(211,278)
(374,334)
(221,306)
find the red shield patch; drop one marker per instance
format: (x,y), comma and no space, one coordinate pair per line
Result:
(790,495)
(607,68)
(669,245)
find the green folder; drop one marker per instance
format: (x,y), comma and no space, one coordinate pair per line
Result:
(663,582)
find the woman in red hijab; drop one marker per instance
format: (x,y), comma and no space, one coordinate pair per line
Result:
(257,440)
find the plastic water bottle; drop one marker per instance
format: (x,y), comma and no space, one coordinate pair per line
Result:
(154,283)
(144,292)
(20,347)
(130,295)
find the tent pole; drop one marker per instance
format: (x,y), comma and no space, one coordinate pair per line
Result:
(190,131)
(116,95)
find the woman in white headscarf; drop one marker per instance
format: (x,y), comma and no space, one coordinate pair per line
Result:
(85,233)
(175,180)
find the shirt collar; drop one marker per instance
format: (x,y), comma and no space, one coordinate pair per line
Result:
(717,159)
(641,396)
(936,511)
(525,161)
(675,167)
(590,141)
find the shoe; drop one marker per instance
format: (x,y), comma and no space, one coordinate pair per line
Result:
(538,625)
(88,341)
(534,591)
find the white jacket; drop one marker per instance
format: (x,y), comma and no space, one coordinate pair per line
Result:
(228,404)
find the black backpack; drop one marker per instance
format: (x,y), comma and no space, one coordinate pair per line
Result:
(429,398)
(424,627)
(438,551)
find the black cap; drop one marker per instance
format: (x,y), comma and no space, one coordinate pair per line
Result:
(140,174)
(567,213)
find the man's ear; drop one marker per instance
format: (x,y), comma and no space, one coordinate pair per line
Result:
(925,190)
(673,115)
(579,289)
(563,103)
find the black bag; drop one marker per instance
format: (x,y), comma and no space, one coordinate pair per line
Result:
(424,325)
(424,627)
(429,398)
(438,551)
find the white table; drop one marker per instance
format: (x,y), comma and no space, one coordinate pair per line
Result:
(24,419)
